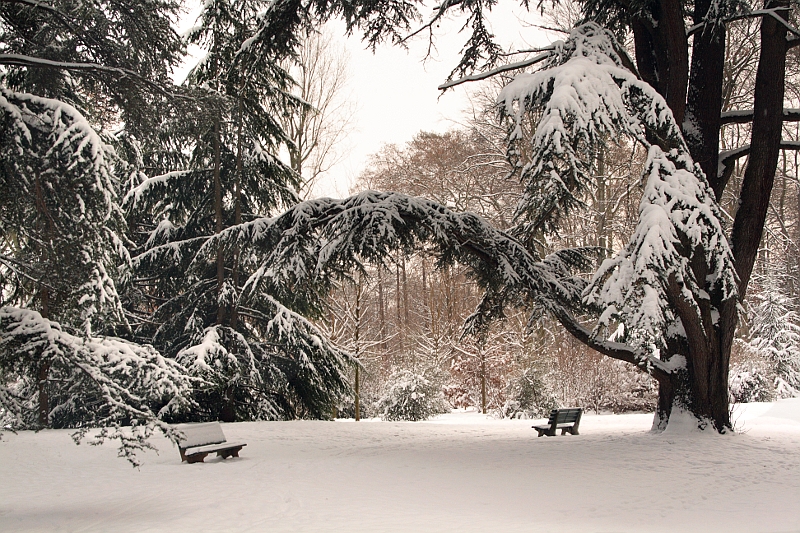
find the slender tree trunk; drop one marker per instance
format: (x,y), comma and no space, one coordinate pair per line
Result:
(358,393)
(228,411)
(602,233)
(483,380)
(358,350)
(398,311)
(381,310)
(43,372)
(218,218)
(237,200)
(405,293)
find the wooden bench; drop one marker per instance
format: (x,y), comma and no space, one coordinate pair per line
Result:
(199,440)
(563,419)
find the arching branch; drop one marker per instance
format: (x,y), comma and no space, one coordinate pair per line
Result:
(499,70)
(616,350)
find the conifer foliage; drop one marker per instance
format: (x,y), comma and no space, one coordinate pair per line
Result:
(67,70)
(251,346)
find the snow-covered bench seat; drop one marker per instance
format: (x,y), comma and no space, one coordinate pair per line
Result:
(199,440)
(563,419)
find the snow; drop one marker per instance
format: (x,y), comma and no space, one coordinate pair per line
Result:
(459,472)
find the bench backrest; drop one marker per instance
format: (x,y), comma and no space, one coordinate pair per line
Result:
(200,434)
(565,416)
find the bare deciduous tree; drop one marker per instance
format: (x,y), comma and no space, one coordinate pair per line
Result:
(321,74)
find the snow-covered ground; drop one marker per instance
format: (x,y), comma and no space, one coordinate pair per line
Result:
(461,472)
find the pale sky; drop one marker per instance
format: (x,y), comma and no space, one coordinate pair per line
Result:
(395,91)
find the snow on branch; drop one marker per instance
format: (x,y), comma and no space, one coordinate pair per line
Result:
(19,60)
(587,96)
(54,157)
(320,238)
(112,382)
(728,158)
(679,225)
(743,116)
(499,70)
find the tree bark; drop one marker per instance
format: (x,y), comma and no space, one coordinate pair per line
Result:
(703,113)
(237,200)
(218,218)
(662,53)
(759,177)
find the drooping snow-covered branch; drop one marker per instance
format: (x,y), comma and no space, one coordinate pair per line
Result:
(62,174)
(324,236)
(320,239)
(111,382)
(679,224)
(587,96)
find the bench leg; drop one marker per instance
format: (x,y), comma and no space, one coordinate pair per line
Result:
(196,458)
(232,452)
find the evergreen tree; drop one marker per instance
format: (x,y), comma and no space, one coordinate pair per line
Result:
(677,284)
(775,335)
(70,68)
(251,347)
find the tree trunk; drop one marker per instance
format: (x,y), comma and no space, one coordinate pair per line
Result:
(703,121)
(44,298)
(759,177)
(483,381)
(218,218)
(702,388)
(237,195)
(358,349)
(44,396)
(358,394)
(228,411)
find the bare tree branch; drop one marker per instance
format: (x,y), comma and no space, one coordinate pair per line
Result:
(743,116)
(505,68)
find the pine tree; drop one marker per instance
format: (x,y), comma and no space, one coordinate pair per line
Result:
(69,69)
(775,335)
(254,351)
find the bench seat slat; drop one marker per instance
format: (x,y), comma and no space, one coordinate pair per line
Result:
(212,447)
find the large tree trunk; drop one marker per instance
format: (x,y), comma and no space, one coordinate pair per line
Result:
(748,226)
(662,54)
(702,388)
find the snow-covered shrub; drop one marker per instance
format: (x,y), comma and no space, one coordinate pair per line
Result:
(411,396)
(528,397)
(775,337)
(752,383)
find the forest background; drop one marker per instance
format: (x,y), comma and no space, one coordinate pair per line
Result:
(140,281)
